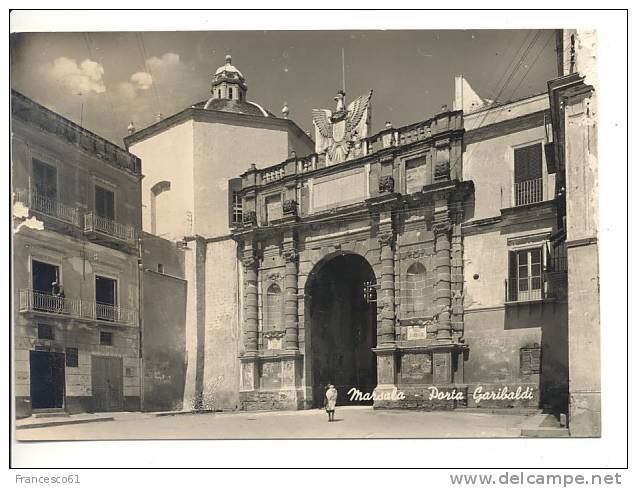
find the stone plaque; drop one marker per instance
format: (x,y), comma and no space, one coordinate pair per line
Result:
(441,367)
(274,343)
(531,360)
(247,376)
(271,375)
(339,189)
(416,174)
(416,332)
(415,366)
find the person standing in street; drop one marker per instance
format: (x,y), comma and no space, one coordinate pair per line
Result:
(330,402)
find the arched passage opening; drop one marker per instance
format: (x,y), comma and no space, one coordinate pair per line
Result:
(341,321)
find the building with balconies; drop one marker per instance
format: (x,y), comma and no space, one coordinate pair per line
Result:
(76,219)
(430,256)
(515,310)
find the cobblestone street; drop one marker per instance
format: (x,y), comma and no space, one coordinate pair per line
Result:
(351,422)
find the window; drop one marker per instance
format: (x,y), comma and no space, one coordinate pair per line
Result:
(45,277)
(219,93)
(230,93)
(528,174)
(104,203)
(273,308)
(44,179)
(525,275)
(235,204)
(414,301)
(71,357)
(106,338)
(45,331)
(160,268)
(105,298)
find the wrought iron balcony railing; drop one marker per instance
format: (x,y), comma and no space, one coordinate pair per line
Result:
(49,206)
(37,301)
(103,225)
(527,192)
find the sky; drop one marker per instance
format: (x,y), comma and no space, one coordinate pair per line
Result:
(105,80)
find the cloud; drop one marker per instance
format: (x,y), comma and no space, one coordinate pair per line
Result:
(142,80)
(83,78)
(167,61)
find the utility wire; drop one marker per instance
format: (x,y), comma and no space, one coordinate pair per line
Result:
(87,41)
(142,48)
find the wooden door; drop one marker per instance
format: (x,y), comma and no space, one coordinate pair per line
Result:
(107,382)
(47,379)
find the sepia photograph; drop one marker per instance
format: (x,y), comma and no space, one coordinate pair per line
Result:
(305,234)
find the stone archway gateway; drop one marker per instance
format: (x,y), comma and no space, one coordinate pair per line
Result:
(315,235)
(340,325)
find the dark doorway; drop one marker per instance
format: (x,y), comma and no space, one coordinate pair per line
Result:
(105,298)
(107,383)
(47,379)
(343,328)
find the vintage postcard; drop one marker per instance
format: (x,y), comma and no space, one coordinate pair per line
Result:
(277,234)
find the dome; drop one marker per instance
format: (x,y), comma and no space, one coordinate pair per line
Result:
(228,89)
(234,107)
(228,68)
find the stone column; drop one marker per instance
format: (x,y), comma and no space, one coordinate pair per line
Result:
(250,322)
(442,230)
(291,312)
(386,297)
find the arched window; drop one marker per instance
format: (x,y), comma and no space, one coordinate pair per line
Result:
(273,308)
(414,290)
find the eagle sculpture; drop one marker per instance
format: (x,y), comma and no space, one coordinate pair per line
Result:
(339,133)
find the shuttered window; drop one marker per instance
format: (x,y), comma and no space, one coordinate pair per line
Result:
(528,163)
(525,275)
(528,174)
(104,203)
(44,179)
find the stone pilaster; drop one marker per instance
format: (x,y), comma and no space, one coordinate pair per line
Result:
(386,298)
(250,317)
(442,230)
(291,312)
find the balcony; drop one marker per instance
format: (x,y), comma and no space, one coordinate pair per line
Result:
(552,287)
(49,206)
(47,304)
(101,225)
(527,192)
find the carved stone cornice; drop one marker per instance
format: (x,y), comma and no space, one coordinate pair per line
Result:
(290,255)
(250,261)
(415,253)
(275,276)
(274,334)
(385,238)
(442,226)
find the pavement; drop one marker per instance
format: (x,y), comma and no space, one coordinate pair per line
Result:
(351,423)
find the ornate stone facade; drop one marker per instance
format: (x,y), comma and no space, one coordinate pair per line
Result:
(375,224)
